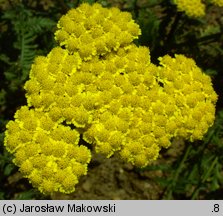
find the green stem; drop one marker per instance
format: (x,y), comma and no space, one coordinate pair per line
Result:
(173,27)
(177,173)
(202,40)
(197,189)
(136,9)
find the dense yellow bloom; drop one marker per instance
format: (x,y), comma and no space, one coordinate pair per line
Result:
(191,107)
(192,8)
(98,85)
(41,148)
(94,30)
(217,2)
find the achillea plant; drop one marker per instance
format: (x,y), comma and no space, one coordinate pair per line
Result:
(217,2)
(194,8)
(98,85)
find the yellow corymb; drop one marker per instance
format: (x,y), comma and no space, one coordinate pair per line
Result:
(218,2)
(98,87)
(42,147)
(193,96)
(192,8)
(94,30)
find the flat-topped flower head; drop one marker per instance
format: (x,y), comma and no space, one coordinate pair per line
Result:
(192,8)
(191,93)
(217,2)
(100,87)
(93,30)
(42,150)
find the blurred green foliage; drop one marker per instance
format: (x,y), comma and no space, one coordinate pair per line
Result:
(26,30)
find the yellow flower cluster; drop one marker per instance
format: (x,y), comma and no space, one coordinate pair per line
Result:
(94,30)
(217,2)
(192,8)
(191,93)
(47,153)
(98,85)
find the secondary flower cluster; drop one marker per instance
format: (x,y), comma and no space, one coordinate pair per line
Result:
(94,31)
(46,152)
(218,2)
(110,95)
(192,93)
(195,8)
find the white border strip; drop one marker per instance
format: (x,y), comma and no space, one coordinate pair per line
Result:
(111,207)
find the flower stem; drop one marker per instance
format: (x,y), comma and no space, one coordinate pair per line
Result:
(177,173)
(197,189)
